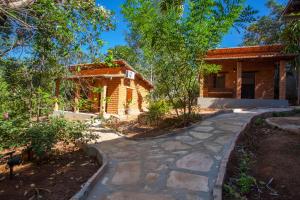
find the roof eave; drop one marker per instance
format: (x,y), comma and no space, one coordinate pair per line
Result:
(284,57)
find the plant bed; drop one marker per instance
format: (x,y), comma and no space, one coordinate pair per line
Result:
(141,128)
(265,164)
(59,176)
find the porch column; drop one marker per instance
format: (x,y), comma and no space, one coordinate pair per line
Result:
(77,97)
(201,84)
(57,86)
(282,79)
(239,80)
(103,99)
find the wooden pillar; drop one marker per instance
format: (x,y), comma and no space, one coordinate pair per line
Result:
(77,97)
(103,99)
(282,79)
(239,80)
(57,87)
(201,84)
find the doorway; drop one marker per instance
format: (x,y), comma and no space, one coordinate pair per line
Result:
(248,85)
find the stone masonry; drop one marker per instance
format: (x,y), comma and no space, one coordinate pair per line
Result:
(182,166)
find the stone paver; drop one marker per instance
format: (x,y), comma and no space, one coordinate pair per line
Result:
(183,166)
(187,181)
(124,176)
(200,135)
(134,196)
(196,161)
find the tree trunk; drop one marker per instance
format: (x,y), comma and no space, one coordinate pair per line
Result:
(297,70)
(16,5)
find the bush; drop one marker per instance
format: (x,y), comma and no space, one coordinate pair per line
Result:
(259,121)
(157,109)
(11,132)
(41,137)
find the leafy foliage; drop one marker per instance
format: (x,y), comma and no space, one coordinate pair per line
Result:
(267,29)
(174,39)
(40,136)
(240,185)
(54,28)
(157,109)
(125,53)
(36,41)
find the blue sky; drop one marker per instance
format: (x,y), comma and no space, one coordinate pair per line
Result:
(117,37)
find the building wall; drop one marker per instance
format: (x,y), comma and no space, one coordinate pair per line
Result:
(117,91)
(112,95)
(264,79)
(139,93)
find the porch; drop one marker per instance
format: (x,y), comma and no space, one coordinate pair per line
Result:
(99,88)
(249,77)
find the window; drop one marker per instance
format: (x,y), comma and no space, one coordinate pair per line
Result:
(219,81)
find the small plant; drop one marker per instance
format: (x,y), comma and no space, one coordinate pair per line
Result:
(232,192)
(259,121)
(245,183)
(157,109)
(279,114)
(97,90)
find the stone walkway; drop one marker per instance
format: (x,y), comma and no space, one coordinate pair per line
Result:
(183,166)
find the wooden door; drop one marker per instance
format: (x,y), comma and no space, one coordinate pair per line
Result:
(248,85)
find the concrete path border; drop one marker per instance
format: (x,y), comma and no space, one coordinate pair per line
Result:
(93,151)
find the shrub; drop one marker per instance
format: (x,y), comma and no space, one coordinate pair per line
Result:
(10,133)
(157,109)
(245,183)
(41,137)
(259,121)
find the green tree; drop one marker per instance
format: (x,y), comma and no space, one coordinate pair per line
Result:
(53,28)
(38,39)
(273,28)
(126,53)
(175,42)
(267,29)
(290,37)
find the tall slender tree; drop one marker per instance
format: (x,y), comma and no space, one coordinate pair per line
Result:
(267,29)
(175,41)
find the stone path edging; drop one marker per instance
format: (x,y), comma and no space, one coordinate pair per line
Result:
(89,185)
(176,131)
(218,188)
(287,126)
(187,166)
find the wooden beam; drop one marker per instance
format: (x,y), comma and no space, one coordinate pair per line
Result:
(239,80)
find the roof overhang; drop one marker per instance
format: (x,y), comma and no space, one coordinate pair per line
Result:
(250,53)
(292,10)
(97,76)
(251,58)
(119,63)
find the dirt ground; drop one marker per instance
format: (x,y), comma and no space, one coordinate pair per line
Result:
(57,178)
(138,127)
(275,159)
